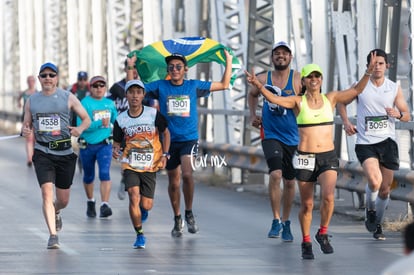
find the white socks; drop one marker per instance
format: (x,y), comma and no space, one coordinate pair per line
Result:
(370,198)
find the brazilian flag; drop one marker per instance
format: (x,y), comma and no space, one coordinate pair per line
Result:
(151,64)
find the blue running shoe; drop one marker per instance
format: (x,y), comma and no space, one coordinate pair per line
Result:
(144,214)
(286,234)
(275,230)
(139,242)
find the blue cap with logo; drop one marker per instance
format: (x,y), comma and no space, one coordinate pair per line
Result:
(134,82)
(49,65)
(82,75)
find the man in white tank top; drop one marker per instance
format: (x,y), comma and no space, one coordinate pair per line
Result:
(378,107)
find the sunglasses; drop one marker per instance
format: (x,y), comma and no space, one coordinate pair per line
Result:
(46,75)
(96,86)
(314,75)
(171,67)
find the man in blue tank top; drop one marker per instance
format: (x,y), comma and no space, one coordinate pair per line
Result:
(48,115)
(279,134)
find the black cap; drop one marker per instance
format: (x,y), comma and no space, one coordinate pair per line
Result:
(176,56)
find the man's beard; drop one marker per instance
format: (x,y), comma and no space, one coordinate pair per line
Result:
(280,67)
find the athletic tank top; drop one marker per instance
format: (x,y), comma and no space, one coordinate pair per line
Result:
(277,122)
(373,124)
(314,117)
(50,119)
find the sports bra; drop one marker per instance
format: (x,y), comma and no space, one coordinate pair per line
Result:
(315,117)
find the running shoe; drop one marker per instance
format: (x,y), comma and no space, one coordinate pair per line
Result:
(144,214)
(286,234)
(140,241)
(58,221)
(307,252)
(106,211)
(275,230)
(370,220)
(53,242)
(90,210)
(378,235)
(121,190)
(324,243)
(177,231)
(191,224)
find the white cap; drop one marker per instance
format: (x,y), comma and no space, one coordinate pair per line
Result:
(134,82)
(281,44)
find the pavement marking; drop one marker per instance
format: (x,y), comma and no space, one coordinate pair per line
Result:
(45,237)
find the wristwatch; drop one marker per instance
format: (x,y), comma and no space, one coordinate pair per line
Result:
(166,154)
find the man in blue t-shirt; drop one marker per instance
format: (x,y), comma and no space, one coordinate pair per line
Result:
(177,99)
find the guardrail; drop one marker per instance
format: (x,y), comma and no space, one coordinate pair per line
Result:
(9,121)
(10,116)
(350,174)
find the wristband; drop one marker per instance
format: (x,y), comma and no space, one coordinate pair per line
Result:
(167,155)
(131,68)
(401,115)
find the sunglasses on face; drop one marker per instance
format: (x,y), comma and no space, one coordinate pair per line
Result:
(99,85)
(177,67)
(314,75)
(46,75)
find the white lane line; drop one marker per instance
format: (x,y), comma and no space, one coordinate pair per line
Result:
(45,237)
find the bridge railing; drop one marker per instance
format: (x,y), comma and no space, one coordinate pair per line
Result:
(350,174)
(251,158)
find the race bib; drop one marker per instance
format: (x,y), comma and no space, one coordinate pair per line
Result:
(141,158)
(304,161)
(49,124)
(376,125)
(179,106)
(101,114)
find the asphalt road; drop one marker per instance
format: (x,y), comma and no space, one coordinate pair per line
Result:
(232,238)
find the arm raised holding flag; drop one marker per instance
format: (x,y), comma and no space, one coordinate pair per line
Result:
(178,98)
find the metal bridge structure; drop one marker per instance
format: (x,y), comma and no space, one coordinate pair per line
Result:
(96,35)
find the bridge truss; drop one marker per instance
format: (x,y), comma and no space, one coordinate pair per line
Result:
(96,35)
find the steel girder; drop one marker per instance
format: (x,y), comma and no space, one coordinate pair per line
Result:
(10,77)
(260,42)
